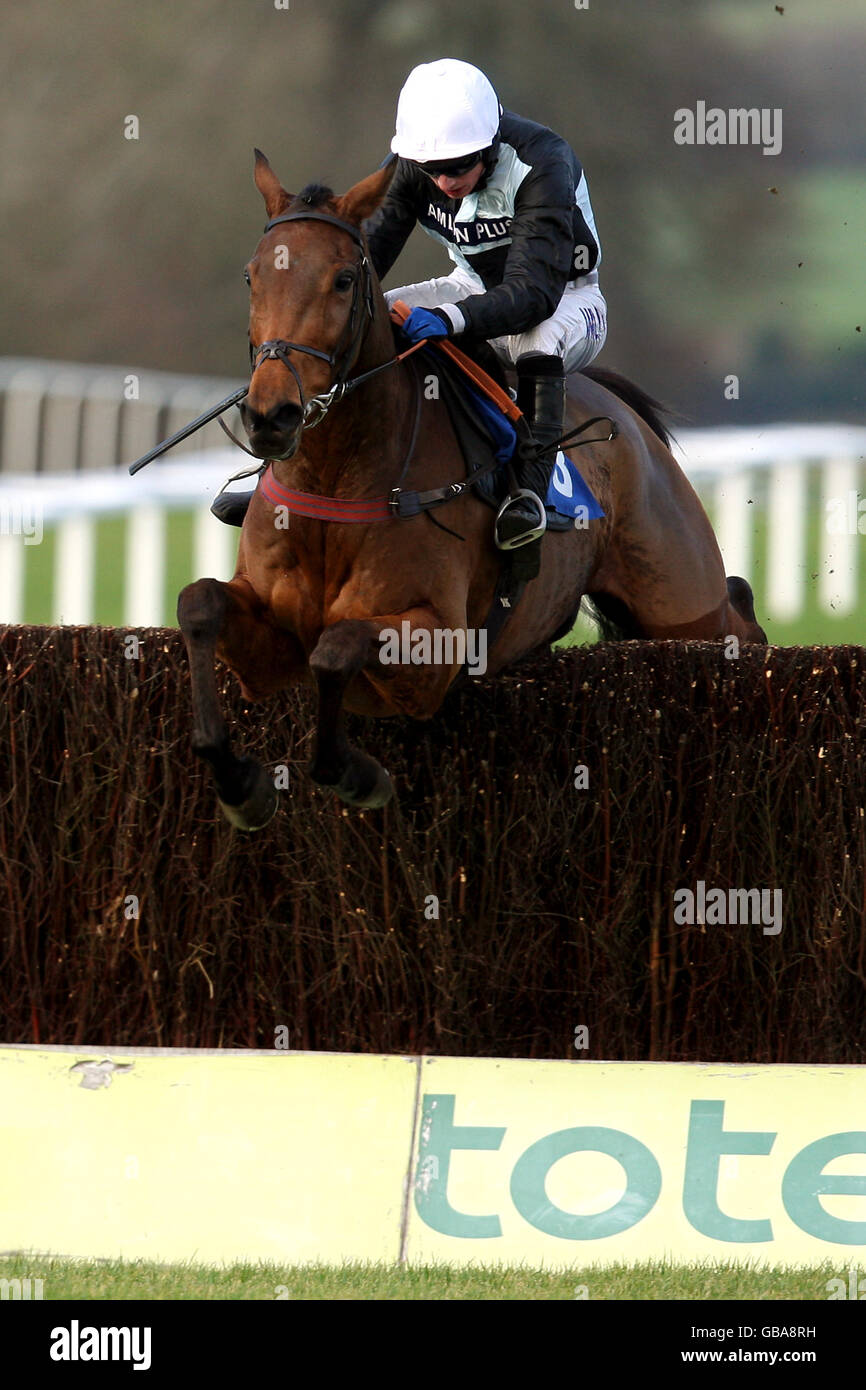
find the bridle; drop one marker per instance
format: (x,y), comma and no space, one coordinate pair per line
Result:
(314,410)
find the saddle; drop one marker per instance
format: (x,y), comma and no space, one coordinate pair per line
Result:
(474,420)
(486,421)
(489,426)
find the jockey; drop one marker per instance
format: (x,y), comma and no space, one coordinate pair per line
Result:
(508,200)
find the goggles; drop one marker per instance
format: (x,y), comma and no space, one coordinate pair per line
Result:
(453,168)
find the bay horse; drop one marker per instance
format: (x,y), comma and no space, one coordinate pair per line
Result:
(310,598)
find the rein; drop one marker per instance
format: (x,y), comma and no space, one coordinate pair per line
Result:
(397,504)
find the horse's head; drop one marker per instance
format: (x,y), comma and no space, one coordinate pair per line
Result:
(311,302)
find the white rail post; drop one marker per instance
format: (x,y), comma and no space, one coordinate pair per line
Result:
(786,540)
(73,571)
(61,423)
(22,408)
(100,420)
(733,518)
(11,578)
(139,427)
(144,598)
(837,574)
(214,546)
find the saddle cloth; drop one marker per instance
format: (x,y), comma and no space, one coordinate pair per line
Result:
(482,428)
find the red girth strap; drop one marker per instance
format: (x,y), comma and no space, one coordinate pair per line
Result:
(363,509)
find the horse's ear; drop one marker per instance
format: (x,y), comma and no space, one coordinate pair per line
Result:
(275,196)
(362,200)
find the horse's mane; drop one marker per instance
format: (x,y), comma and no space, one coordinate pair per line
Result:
(312,195)
(641,402)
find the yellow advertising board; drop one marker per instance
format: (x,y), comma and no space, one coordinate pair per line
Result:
(592,1162)
(300,1157)
(205,1156)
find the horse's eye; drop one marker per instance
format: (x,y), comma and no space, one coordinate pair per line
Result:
(247,276)
(344,281)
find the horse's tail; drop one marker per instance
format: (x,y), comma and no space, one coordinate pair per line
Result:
(640,401)
(614,619)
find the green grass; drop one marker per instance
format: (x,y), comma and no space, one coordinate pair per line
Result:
(813,626)
(655,1279)
(108,597)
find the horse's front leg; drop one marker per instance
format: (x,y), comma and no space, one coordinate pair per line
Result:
(219,619)
(343,650)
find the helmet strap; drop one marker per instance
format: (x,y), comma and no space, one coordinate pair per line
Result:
(488,158)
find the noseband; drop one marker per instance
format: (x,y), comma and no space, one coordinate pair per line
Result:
(314,410)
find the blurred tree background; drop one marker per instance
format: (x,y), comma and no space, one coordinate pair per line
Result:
(717,259)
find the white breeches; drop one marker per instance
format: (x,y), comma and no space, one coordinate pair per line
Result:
(575,331)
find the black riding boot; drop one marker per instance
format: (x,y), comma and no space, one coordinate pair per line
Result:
(231,507)
(541,397)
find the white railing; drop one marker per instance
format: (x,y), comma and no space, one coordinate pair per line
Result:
(741,474)
(778,462)
(63,417)
(73,503)
(67,430)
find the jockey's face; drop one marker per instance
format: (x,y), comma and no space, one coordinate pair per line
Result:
(459,187)
(456,178)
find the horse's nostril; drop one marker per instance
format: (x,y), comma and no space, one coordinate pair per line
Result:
(252,419)
(281,419)
(288,417)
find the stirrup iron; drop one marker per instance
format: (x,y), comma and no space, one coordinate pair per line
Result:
(516,542)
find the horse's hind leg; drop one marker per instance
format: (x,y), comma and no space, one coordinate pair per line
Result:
(207,612)
(742,600)
(340,653)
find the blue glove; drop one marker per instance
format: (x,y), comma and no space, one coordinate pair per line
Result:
(426,323)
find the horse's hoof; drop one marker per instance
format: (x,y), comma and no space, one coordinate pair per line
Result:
(366,792)
(257,808)
(381,793)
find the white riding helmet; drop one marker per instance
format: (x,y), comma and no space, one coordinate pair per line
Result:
(446,109)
